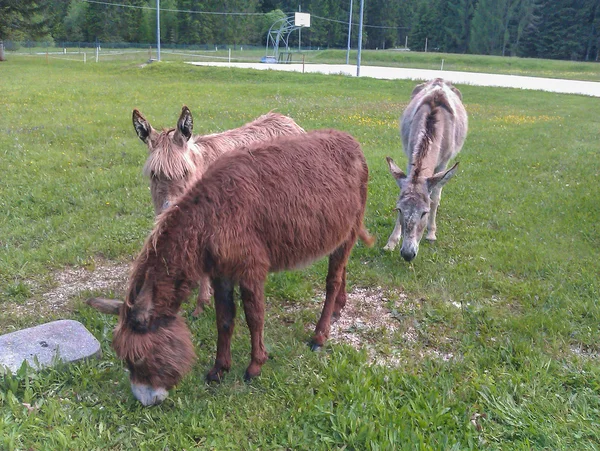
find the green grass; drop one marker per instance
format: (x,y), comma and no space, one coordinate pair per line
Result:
(531,67)
(518,250)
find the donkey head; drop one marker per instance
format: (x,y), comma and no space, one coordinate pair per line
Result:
(414,204)
(170,162)
(155,343)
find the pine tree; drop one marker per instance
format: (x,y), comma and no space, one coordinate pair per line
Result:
(458,24)
(425,27)
(22,19)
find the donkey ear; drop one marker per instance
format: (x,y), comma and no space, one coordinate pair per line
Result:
(417,89)
(140,302)
(441,178)
(455,91)
(141,125)
(103,305)
(396,172)
(185,124)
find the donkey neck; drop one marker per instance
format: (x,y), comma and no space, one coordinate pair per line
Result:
(424,161)
(177,241)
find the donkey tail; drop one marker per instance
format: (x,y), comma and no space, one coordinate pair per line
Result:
(366,237)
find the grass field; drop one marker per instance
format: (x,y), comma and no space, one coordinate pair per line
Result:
(531,67)
(496,344)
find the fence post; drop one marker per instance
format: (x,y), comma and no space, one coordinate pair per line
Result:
(1,50)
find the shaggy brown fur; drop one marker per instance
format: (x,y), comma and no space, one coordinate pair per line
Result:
(177,158)
(269,207)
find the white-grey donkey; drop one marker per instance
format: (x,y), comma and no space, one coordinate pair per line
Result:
(434,128)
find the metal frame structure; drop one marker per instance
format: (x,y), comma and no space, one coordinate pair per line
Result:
(280,31)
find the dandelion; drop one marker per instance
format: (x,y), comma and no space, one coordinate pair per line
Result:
(513,119)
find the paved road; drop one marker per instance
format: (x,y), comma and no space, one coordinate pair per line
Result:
(589,88)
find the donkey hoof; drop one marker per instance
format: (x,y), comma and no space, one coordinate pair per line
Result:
(432,239)
(314,347)
(197,311)
(248,376)
(214,376)
(389,247)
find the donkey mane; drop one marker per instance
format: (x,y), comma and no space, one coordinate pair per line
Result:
(429,132)
(166,161)
(180,248)
(428,135)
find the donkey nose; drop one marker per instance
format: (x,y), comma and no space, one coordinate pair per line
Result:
(408,255)
(147,395)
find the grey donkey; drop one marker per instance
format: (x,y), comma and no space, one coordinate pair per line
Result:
(434,127)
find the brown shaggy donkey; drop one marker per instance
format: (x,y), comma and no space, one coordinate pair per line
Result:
(269,207)
(177,158)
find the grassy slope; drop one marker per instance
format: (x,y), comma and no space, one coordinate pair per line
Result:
(518,249)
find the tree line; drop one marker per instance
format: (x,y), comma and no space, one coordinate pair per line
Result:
(558,29)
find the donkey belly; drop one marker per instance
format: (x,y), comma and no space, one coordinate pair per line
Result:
(319,235)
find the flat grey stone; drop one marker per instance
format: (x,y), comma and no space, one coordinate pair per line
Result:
(47,345)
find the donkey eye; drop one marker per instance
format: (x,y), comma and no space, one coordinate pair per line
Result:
(423,214)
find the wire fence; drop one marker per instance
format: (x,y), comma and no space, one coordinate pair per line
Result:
(98,51)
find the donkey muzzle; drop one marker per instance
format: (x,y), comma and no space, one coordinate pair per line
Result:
(148,395)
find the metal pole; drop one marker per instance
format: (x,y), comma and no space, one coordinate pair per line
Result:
(360,28)
(299,30)
(158,30)
(349,33)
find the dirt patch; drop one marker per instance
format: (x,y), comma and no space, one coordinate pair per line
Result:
(379,321)
(366,313)
(366,320)
(584,351)
(69,283)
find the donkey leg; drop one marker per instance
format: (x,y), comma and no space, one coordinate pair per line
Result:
(337,263)
(225,312)
(340,300)
(436,195)
(395,236)
(204,293)
(253,300)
